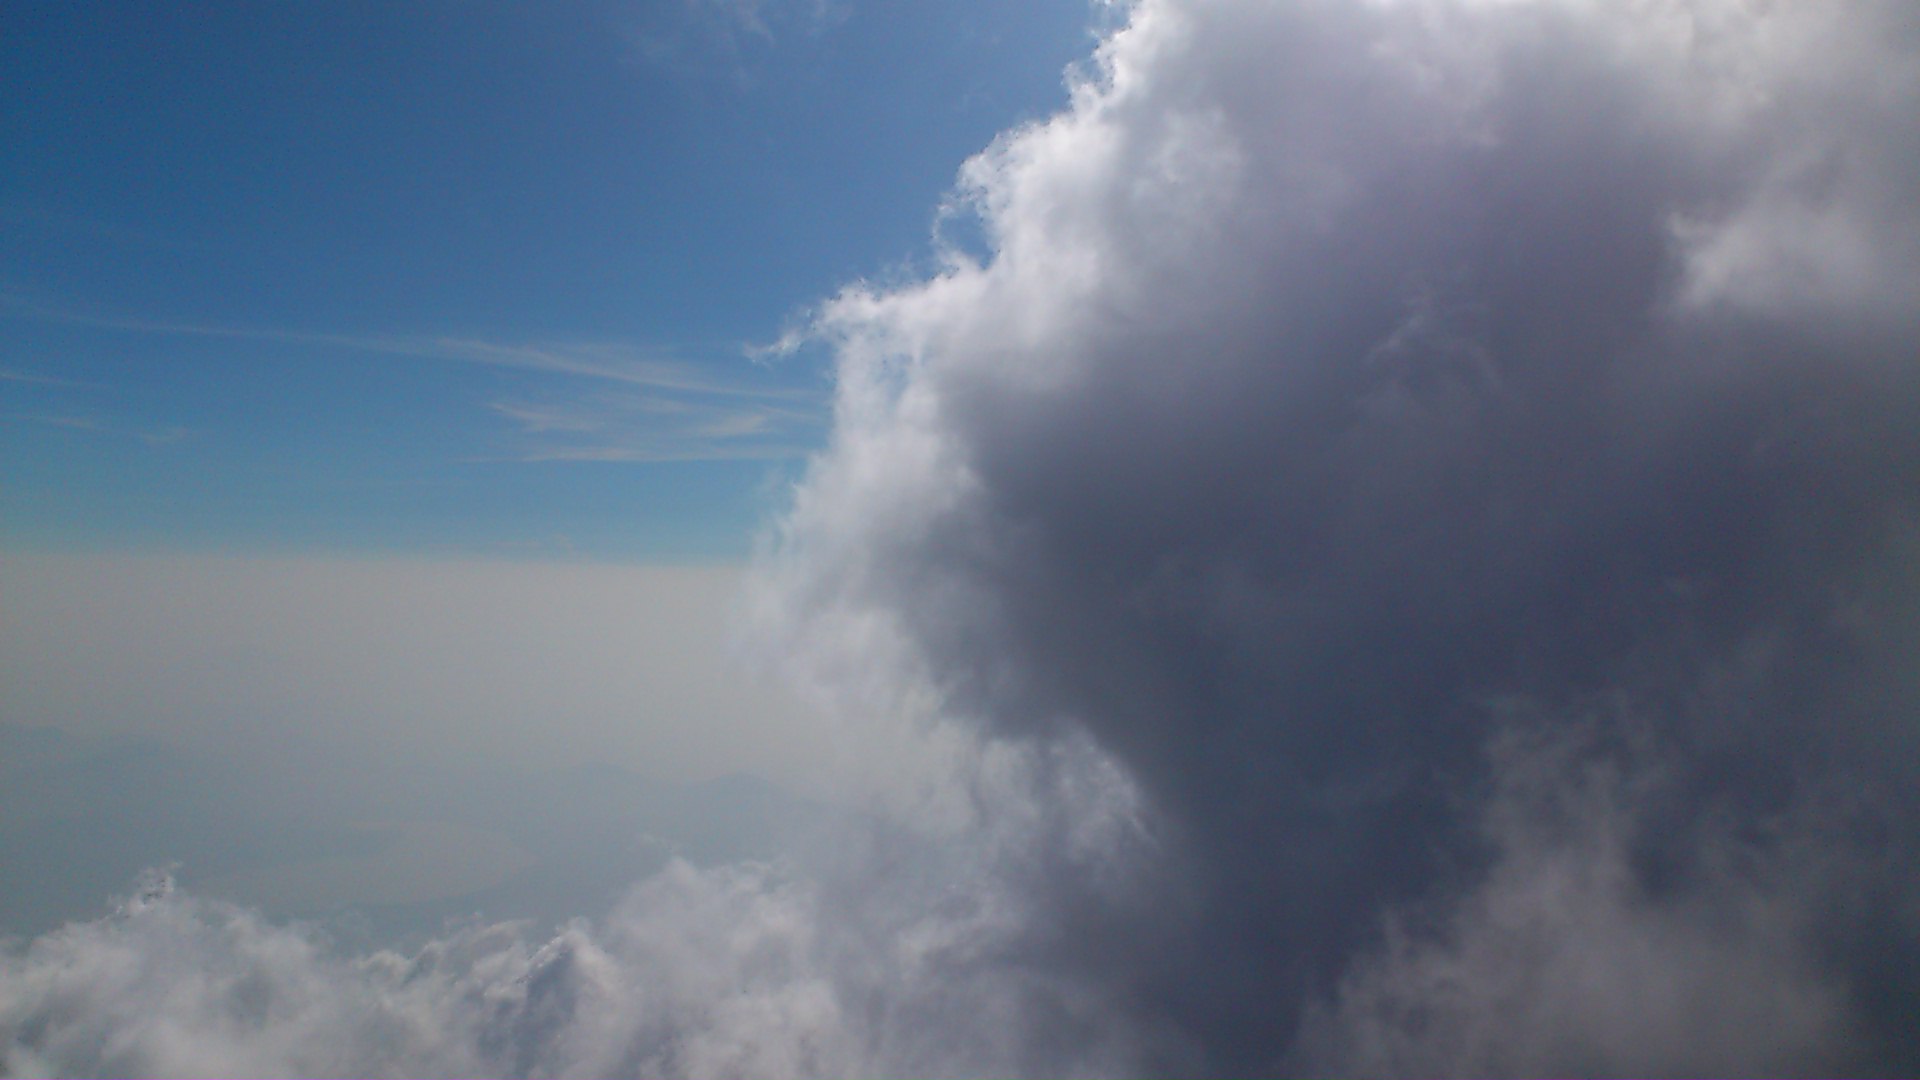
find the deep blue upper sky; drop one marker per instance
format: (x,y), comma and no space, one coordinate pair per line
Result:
(438,278)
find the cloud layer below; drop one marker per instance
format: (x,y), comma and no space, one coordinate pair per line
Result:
(1403,555)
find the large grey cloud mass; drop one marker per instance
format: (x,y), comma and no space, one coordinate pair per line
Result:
(1411,529)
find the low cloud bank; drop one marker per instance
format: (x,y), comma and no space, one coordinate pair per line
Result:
(1406,546)
(895,956)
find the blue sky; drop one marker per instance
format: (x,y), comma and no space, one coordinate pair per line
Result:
(459,279)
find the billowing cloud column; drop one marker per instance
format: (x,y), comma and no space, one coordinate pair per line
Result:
(1345,387)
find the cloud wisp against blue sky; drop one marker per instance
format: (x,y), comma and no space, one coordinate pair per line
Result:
(676,411)
(208,209)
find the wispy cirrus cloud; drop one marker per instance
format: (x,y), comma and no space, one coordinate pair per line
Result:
(666,408)
(609,361)
(28,378)
(152,436)
(654,427)
(51,401)
(704,37)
